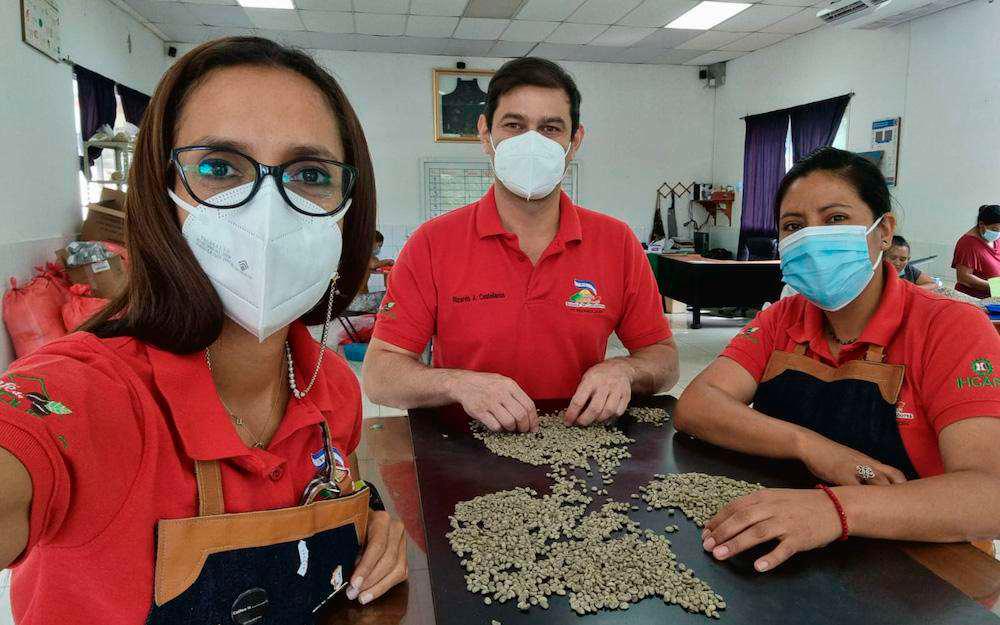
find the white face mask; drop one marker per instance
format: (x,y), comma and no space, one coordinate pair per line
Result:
(529,165)
(268,263)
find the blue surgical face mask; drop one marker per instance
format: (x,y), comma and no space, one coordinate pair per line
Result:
(829,265)
(991,235)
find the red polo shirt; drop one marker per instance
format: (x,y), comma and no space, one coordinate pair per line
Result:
(981,257)
(950,349)
(108,431)
(463,280)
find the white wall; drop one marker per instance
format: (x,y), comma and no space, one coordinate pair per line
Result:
(644,124)
(939,73)
(40,205)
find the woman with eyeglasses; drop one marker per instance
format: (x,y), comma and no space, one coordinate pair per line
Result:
(887,393)
(184,458)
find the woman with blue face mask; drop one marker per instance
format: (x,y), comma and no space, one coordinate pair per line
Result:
(886,392)
(977,254)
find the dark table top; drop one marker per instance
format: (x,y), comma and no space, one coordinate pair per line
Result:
(858,581)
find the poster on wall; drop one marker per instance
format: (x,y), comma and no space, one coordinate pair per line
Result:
(40,27)
(885,139)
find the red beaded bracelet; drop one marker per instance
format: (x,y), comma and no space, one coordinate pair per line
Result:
(840,510)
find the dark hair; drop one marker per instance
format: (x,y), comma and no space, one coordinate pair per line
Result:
(898,241)
(536,72)
(378,237)
(989,214)
(168,301)
(858,171)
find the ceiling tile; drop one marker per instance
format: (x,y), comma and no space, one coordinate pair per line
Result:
(557,51)
(710,40)
(377,24)
(640,55)
(447,8)
(217,2)
(548,10)
(793,3)
(426,26)
(496,9)
(328,21)
(716,56)
(657,13)
(528,31)
(324,5)
(796,24)
(755,41)
(379,43)
(384,7)
(676,57)
(622,36)
(480,28)
(185,33)
(511,49)
(220,15)
(575,33)
(164,12)
(301,38)
(275,19)
(468,47)
(599,54)
(602,11)
(668,38)
(756,18)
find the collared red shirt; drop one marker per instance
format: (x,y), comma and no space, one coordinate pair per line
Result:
(949,349)
(981,257)
(463,280)
(109,430)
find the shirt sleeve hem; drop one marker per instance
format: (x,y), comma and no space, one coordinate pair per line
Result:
(647,339)
(402,342)
(32,454)
(966,410)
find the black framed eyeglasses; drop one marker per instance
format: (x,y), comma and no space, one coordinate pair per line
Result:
(224,178)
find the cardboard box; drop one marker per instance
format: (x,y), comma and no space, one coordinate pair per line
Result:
(106,219)
(105,278)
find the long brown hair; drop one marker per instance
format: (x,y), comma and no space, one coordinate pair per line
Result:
(169,301)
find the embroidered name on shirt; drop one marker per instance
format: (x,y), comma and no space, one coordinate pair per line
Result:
(481,297)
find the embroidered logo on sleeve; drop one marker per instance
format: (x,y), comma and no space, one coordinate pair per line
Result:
(982,375)
(29,394)
(585,296)
(386,310)
(750,333)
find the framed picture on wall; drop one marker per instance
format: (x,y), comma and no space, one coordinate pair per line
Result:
(459,99)
(40,27)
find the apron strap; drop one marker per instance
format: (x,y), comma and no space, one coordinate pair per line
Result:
(876,353)
(209,477)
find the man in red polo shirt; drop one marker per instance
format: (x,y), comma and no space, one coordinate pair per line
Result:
(521,290)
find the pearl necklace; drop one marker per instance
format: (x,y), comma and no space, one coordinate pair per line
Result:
(322,349)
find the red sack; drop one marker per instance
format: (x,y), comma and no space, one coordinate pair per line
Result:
(55,273)
(82,305)
(32,314)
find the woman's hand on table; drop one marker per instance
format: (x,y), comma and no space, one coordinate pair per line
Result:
(383,561)
(799,520)
(837,464)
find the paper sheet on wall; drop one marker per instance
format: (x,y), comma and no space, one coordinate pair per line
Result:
(40,26)
(885,138)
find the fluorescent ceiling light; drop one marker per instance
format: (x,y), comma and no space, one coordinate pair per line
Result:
(708,14)
(266,4)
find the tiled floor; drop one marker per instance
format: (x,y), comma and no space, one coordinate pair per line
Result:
(697,349)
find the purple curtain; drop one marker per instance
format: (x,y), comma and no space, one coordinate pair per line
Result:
(815,125)
(134,104)
(97,105)
(763,168)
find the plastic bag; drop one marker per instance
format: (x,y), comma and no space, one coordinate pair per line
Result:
(33,314)
(85,252)
(82,305)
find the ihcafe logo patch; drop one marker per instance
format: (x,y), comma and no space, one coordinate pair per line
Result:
(982,366)
(585,296)
(982,375)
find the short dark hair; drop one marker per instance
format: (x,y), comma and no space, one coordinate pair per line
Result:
(378,237)
(536,72)
(856,170)
(989,214)
(898,241)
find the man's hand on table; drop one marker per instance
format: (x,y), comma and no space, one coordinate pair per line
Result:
(603,393)
(383,561)
(494,400)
